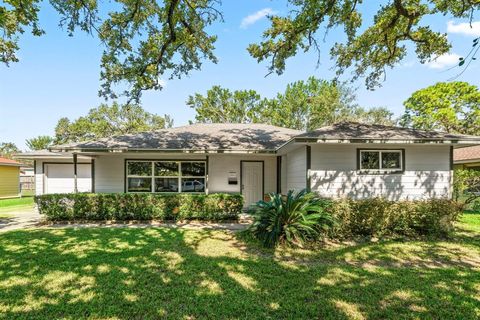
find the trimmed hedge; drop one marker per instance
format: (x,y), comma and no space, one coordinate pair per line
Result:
(378,217)
(140,206)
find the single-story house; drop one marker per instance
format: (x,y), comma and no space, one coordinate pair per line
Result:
(467,158)
(9,178)
(343,160)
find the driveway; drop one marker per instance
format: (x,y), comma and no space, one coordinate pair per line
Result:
(21,219)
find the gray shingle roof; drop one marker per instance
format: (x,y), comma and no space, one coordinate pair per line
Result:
(196,137)
(466,154)
(354,130)
(254,137)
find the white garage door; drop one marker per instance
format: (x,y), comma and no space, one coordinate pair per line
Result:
(59,178)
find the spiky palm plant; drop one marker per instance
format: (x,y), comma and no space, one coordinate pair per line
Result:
(292,219)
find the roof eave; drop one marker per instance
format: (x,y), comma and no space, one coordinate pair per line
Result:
(462,161)
(320,140)
(6,164)
(187,151)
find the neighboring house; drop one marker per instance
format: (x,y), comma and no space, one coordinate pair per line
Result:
(344,160)
(9,178)
(467,158)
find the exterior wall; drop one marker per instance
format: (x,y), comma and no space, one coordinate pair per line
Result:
(427,173)
(38,177)
(295,163)
(333,171)
(284,184)
(9,181)
(110,170)
(221,165)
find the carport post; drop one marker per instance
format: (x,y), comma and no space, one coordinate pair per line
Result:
(75,187)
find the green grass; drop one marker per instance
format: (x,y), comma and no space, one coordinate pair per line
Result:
(16,204)
(28,193)
(470,221)
(134,273)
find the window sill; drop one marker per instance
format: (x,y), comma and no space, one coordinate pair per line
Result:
(380,172)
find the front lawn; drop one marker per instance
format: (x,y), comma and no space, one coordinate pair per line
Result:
(16,204)
(136,273)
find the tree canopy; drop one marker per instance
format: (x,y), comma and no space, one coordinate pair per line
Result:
(452,107)
(145,41)
(376,115)
(106,121)
(7,149)
(221,105)
(305,105)
(369,48)
(39,143)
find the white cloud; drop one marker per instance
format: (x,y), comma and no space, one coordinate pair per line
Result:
(444,61)
(254,17)
(407,64)
(464,28)
(162,82)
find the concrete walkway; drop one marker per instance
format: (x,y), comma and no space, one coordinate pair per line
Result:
(22,219)
(232,226)
(27,219)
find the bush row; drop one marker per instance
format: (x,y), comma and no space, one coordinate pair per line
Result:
(378,217)
(140,206)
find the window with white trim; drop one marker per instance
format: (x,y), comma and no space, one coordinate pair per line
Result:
(166,176)
(381,160)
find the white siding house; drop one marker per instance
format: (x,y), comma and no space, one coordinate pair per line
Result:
(344,160)
(296,166)
(426,173)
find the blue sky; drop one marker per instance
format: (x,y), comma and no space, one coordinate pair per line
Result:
(58,76)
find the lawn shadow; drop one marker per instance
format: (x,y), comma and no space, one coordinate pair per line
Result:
(136,273)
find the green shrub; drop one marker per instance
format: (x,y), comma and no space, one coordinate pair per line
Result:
(139,206)
(378,217)
(303,217)
(475,206)
(293,219)
(466,186)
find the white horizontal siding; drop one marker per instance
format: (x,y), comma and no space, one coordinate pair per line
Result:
(427,173)
(296,166)
(283,173)
(110,170)
(221,165)
(38,177)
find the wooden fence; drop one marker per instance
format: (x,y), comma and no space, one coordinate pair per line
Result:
(27,183)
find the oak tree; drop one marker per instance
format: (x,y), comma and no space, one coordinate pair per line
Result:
(452,107)
(304,105)
(145,41)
